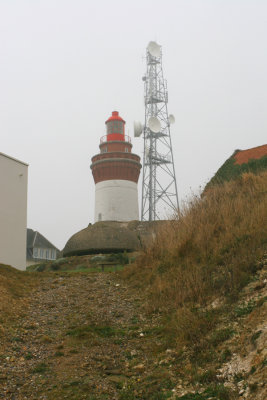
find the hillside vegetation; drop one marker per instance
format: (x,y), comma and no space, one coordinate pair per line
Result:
(185,321)
(199,272)
(211,249)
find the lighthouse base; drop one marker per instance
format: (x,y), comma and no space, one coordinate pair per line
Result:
(116,200)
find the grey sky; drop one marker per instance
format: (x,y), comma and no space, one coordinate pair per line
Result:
(66,65)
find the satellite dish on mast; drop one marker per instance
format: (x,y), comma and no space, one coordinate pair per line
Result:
(154,124)
(153,49)
(171,119)
(138,129)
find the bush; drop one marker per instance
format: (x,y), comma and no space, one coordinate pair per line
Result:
(40,267)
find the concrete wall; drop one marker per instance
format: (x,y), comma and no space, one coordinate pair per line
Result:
(116,200)
(13,211)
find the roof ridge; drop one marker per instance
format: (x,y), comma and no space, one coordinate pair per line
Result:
(252,148)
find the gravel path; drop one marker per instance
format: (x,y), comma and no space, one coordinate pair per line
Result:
(83,336)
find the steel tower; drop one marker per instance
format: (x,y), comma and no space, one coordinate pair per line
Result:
(159,189)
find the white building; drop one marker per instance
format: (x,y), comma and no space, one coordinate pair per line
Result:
(13,211)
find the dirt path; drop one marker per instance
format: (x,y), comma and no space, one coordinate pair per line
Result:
(84,336)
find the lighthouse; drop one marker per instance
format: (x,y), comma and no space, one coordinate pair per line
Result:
(116,171)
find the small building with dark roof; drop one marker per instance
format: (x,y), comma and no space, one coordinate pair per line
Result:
(39,249)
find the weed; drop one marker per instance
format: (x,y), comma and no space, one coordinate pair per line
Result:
(218,392)
(31,326)
(238,377)
(261,301)
(252,370)
(102,331)
(59,354)
(245,308)
(203,354)
(134,320)
(255,336)
(226,355)
(208,376)
(161,395)
(74,383)
(253,387)
(40,368)
(16,339)
(127,394)
(220,336)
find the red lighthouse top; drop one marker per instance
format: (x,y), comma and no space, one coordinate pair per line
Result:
(115,127)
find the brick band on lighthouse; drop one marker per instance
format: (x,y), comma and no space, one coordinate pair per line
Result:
(116,171)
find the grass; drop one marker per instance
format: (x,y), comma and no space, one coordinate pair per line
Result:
(220,336)
(83,263)
(226,355)
(210,251)
(245,309)
(215,392)
(40,368)
(104,331)
(75,268)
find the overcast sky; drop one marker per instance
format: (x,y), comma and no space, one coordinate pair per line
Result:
(65,65)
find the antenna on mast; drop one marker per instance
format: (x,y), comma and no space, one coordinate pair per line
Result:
(159,189)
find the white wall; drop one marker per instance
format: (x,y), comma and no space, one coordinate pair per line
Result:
(13,211)
(116,200)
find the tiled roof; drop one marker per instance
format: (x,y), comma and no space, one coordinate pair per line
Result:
(243,156)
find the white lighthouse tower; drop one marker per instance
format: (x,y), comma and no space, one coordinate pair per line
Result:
(116,171)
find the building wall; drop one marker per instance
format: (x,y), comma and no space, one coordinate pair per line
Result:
(13,211)
(116,200)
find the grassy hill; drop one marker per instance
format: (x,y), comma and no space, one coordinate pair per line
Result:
(186,321)
(206,275)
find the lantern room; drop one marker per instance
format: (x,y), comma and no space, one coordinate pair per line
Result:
(115,127)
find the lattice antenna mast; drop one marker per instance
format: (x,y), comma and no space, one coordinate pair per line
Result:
(159,189)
